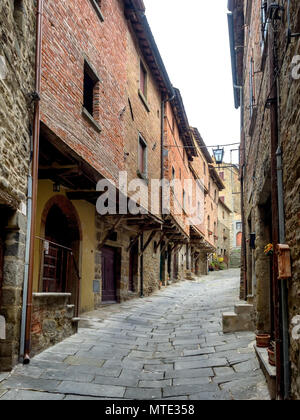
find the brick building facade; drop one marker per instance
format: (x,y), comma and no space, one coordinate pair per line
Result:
(265,72)
(108,116)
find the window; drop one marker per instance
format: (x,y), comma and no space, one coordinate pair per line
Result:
(142,157)
(173,173)
(264,24)
(90,84)
(204,168)
(184,201)
(223,215)
(143,80)
(215,195)
(222,175)
(239,226)
(97,6)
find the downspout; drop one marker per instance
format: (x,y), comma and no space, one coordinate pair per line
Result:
(35,167)
(142,264)
(26,268)
(274,195)
(282,240)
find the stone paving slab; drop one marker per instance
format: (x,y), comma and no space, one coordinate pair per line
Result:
(165,347)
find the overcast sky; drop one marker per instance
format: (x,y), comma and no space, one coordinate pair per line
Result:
(192,36)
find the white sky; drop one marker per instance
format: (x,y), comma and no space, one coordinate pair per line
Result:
(192,36)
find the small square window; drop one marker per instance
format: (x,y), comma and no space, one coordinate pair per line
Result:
(142,157)
(90,84)
(143,80)
(97,6)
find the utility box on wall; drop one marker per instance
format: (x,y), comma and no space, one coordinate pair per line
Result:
(284,262)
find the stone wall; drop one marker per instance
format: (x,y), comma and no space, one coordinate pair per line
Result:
(51,320)
(289,130)
(17,47)
(257,158)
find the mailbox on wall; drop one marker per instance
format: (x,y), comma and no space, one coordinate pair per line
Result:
(284,262)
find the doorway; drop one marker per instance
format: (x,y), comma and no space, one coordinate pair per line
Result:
(109,287)
(61,237)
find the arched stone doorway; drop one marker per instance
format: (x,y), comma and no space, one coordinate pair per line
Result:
(61,238)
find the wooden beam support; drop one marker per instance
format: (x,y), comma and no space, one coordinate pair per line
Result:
(134,241)
(153,233)
(160,242)
(110,231)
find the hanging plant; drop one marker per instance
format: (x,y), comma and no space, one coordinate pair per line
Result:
(269,250)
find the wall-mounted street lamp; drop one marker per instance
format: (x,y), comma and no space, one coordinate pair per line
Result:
(219,155)
(56,187)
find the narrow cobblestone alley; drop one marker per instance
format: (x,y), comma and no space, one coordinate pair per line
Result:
(168,346)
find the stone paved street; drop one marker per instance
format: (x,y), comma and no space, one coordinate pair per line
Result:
(167,346)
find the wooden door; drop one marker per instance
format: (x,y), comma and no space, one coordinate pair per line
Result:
(109,292)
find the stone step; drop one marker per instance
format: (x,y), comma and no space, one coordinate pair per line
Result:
(233,322)
(243,308)
(75,320)
(230,320)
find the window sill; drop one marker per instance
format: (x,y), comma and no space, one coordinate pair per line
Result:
(144,100)
(89,117)
(97,10)
(142,176)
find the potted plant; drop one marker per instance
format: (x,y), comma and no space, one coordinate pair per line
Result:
(263,340)
(272,354)
(269,250)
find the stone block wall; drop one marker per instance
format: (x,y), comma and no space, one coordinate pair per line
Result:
(17,54)
(289,131)
(51,320)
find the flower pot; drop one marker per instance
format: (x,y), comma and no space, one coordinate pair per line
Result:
(272,359)
(263,340)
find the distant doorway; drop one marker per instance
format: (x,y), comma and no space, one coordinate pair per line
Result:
(239,238)
(109,287)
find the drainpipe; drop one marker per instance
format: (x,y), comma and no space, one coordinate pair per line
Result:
(283,286)
(35,167)
(275,216)
(142,264)
(26,269)
(162,174)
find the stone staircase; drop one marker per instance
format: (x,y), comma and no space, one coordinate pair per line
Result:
(235,258)
(239,320)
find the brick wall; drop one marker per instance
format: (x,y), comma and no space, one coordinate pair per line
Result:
(74,33)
